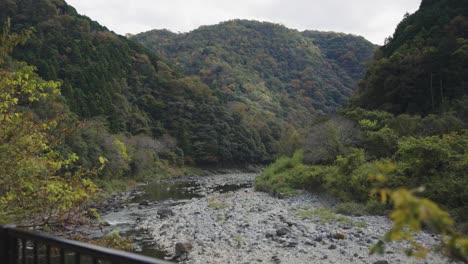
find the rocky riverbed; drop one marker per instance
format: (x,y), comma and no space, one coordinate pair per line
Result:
(226,221)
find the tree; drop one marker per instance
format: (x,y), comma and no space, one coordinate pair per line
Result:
(37,184)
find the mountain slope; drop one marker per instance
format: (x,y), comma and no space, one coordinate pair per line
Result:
(350,52)
(108,76)
(423,67)
(275,68)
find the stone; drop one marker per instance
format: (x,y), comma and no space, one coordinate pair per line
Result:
(318,239)
(282,231)
(339,236)
(144,203)
(381,262)
(182,248)
(332,246)
(276,259)
(164,213)
(291,244)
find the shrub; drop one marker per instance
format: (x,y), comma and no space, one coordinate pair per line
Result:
(351,208)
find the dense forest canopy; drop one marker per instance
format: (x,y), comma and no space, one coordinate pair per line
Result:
(404,138)
(423,67)
(268,66)
(245,113)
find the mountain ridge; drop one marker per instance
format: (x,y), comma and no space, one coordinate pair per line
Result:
(283,58)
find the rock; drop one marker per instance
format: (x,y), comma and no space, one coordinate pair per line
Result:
(314,244)
(291,244)
(144,203)
(276,259)
(164,213)
(381,262)
(182,248)
(282,231)
(332,246)
(318,239)
(339,236)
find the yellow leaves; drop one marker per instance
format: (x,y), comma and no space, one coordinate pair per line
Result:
(410,213)
(368,124)
(122,149)
(35,180)
(102,160)
(383,195)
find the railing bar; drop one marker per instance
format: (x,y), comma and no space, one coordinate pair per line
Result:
(62,256)
(77,258)
(65,245)
(47,254)
(14,248)
(24,243)
(35,252)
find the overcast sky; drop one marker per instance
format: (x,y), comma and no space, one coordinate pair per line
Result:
(373,19)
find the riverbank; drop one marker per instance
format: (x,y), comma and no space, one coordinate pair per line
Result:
(221,219)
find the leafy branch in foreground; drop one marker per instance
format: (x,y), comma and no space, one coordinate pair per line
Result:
(411,214)
(38,186)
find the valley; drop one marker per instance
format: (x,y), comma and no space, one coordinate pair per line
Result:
(224,220)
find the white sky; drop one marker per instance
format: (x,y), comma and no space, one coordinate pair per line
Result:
(373,19)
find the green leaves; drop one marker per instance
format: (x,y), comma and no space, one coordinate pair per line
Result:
(37,185)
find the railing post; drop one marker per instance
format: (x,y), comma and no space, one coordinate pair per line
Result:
(8,246)
(3,243)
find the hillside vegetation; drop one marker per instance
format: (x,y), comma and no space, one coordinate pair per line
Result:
(220,113)
(278,73)
(412,153)
(423,67)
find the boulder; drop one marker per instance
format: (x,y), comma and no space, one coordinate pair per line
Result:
(381,262)
(339,236)
(144,203)
(182,248)
(164,213)
(282,231)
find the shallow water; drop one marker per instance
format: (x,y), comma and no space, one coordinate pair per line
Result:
(162,191)
(160,194)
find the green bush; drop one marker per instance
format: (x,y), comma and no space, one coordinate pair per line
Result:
(351,208)
(381,143)
(289,173)
(374,207)
(339,181)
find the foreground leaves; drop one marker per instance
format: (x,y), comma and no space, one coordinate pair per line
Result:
(37,184)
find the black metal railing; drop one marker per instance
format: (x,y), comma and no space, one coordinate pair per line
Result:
(24,247)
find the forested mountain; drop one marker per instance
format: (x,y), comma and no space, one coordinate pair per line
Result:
(406,131)
(423,67)
(268,66)
(350,52)
(133,91)
(243,115)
